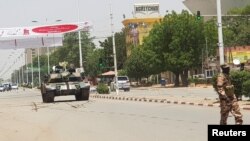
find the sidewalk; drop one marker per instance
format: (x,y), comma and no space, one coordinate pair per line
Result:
(199,96)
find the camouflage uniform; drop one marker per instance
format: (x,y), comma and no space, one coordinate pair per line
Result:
(228,101)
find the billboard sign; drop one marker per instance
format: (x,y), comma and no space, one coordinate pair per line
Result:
(44,30)
(55,28)
(38,36)
(146,10)
(32,42)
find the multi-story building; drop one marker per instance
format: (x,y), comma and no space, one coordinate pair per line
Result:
(136,29)
(146,14)
(144,17)
(34,52)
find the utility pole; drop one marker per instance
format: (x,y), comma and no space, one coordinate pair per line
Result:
(48,58)
(19,73)
(220,35)
(79,38)
(32,75)
(206,52)
(26,64)
(114,50)
(48,52)
(22,75)
(202,65)
(39,72)
(19,76)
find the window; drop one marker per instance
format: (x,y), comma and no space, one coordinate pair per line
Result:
(209,73)
(122,78)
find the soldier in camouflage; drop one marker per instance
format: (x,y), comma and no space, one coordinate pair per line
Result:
(228,101)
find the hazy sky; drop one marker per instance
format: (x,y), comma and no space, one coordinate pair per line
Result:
(18,13)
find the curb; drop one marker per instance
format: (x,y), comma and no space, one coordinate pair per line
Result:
(152,100)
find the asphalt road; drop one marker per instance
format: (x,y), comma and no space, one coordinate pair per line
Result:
(25,118)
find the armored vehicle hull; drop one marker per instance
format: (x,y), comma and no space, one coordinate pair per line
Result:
(62,84)
(49,91)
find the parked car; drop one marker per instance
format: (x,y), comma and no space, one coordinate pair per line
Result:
(7,86)
(2,88)
(14,87)
(123,83)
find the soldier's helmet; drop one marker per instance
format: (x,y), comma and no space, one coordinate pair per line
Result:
(224,66)
(72,68)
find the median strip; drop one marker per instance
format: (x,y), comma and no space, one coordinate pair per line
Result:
(158,101)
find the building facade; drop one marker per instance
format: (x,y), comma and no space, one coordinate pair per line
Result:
(209,7)
(145,15)
(136,29)
(241,53)
(34,52)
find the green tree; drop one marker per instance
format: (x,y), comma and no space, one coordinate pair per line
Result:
(120,49)
(211,37)
(70,50)
(237,28)
(92,68)
(177,42)
(240,80)
(43,59)
(138,64)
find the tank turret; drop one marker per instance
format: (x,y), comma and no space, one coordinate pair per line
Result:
(61,82)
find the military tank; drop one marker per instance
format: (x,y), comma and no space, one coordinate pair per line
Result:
(62,82)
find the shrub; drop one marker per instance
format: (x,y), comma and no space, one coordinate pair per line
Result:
(192,80)
(246,88)
(122,72)
(240,81)
(200,81)
(238,78)
(102,88)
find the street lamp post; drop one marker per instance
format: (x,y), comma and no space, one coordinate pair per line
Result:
(22,68)
(79,38)
(39,73)
(16,71)
(19,75)
(114,51)
(48,59)
(38,59)
(34,21)
(80,50)
(19,72)
(220,35)
(38,54)
(32,75)
(26,62)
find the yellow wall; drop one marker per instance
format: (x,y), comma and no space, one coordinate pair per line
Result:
(240,52)
(142,26)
